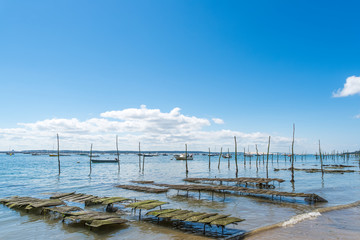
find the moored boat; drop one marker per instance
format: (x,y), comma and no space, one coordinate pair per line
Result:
(183,157)
(105,160)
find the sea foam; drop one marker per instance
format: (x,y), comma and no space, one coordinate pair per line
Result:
(298,218)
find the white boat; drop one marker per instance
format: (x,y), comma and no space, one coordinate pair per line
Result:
(227,156)
(105,160)
(183,157)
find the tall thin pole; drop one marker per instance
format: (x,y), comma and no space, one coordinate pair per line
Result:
(117,151)
(292,156)
(220,158)
(321,161)
(143,167)
(257,157)
(267,160)
(209,158)
(244,157)
(228,158)
(187,170)
(139,158)
(58,151)
(236,154)
(90,158)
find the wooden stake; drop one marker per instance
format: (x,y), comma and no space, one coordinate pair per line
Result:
(267,160)
(90,158)
(228,158)
(58,151)
(209,158)
(321,161)
(219,158)
(236,154)
(292,156)
(117,151)
(244,157)
(187,170)
(139,158)
(257,157)
(143,167)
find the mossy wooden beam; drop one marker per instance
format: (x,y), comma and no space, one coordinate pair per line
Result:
(226,221)
(106,222)
(152,205)
(158,212)
(137,204)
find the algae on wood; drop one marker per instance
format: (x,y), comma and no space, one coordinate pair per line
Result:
(110,221)
(152,205)
(137,204)
(158,212)
(226,221)
(200,217)
(213,218)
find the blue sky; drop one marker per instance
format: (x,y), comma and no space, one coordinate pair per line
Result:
(260,66)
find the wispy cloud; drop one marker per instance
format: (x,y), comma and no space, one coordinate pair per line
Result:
(357,116)
(155,129)
(351,87)
(218,120)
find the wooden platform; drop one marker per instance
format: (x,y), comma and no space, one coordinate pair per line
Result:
(93,219)
(311,197)
(237,180)
(316,170)
(196,217)
(143,189)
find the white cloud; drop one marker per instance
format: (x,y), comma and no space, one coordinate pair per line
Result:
(351,87)
(357,116)
(155,129)
(218,120)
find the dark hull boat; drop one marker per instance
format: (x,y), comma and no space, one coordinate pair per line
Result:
(104,160)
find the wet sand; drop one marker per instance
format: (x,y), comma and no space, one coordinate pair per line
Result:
(340,224)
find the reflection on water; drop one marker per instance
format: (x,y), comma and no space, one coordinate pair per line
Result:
(37,176)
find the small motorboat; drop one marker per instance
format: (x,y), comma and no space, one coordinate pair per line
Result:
(226,156)
(105,160)
(183,157)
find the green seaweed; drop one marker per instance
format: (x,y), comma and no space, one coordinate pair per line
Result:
(226,221)
(182,217)
(158,212)
(200,217)
(137,204)
(152,205)
(213,218)
(110,221)
(170,214)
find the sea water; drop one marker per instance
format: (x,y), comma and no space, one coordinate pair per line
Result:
(37,176)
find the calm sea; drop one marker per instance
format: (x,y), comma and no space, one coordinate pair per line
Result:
(37,176)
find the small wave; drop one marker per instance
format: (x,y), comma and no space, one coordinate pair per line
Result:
(298,218)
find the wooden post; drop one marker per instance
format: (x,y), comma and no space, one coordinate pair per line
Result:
(244,158)
(257,157)
(143,167)
(58,151)
(292,156)
(187,170)
(236,154)
(267,160)
(209,158)
(117,151)
(90,158)
(321,161)
(219,158)
(228,158)
(139,158)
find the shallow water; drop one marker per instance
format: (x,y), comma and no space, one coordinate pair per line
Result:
(37,176)
(340,224)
